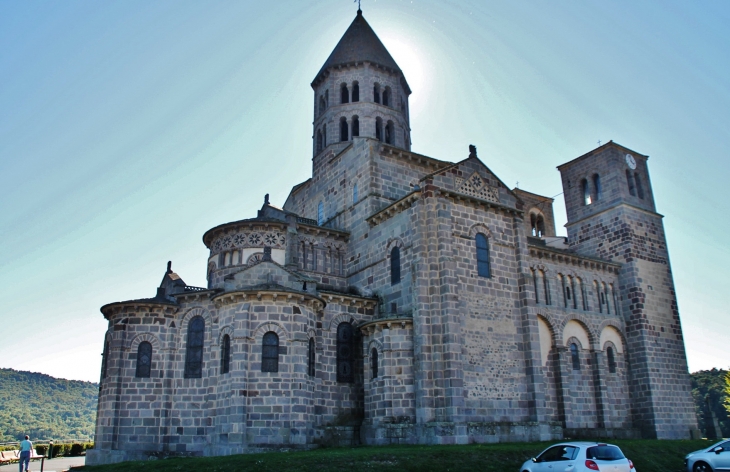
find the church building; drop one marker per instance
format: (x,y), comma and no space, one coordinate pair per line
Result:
(395,298)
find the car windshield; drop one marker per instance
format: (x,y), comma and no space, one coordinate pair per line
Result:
(604,453)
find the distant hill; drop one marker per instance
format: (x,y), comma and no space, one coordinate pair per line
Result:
(45,407)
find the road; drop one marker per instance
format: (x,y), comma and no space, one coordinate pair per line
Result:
(58,464)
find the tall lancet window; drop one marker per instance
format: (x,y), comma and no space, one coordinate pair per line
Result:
(587,200)
(639,186)
(226,354)
(390,133)
(144,360)
(374,362)
(343,129)
(319,141)
(597,186)
(194,348)
(395,265)
(345,353)
(270,352)
(483,268)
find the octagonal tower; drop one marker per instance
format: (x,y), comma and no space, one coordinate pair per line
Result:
(360,91)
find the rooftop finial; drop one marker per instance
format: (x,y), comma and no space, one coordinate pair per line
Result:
(359,10)
(169,267)
(266,199)
(472,151)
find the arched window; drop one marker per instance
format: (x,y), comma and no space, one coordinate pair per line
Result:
(343,129)
(597,186)
(390,133)
(270,352)
(534,281)
(144,360)
(354,194)
(394,265)
(374,362)
(226,354)
(611,360)
(194,349)
(320,214)
(378,129)
(355,92)
(105,360)
(575,357)
(566,294)
(586,192)
(483,267)
(310,358)
(355,126)
(537,223)
(597,288)
(630,182)
(639,187)
(344,94)
(376,93)
(582,289)
(322,105)
(319,141)
(546,286)
(573,292)
(386,96)
(345,353)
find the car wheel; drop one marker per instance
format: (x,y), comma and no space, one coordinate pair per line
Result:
(701,467)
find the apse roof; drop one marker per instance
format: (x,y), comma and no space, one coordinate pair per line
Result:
(359,44)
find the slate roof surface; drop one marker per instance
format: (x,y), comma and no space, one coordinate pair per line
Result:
(359,44)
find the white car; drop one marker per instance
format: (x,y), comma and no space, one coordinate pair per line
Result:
(714,458)
(580,457)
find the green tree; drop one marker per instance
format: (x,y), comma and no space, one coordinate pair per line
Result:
(709,393)
(727,392)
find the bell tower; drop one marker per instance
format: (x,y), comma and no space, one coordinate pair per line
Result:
(360,92)
(612,216)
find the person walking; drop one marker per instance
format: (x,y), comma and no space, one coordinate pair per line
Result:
(26,448)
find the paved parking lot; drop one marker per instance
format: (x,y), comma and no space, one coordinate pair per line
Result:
(58,464)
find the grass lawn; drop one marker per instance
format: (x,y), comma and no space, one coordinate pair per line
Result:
(647,455)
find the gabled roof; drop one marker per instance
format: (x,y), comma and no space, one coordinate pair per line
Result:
(359,44)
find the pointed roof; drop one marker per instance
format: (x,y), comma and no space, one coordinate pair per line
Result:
(359,44)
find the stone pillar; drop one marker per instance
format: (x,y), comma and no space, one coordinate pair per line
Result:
(599,387)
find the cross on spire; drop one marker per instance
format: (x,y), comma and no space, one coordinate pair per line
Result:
(359,10)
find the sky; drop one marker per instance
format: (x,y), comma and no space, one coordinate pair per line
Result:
(129,128)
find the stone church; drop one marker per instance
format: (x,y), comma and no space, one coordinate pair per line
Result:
(396,298)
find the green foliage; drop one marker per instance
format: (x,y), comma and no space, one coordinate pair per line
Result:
(727,393)
(648,456)
(44,407)
(712,385)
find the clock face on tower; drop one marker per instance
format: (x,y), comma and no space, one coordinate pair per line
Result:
(630,161)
